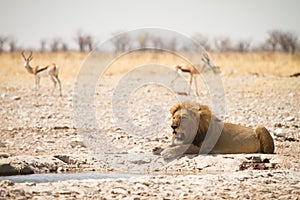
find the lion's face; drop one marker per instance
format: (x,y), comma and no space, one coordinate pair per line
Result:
(185,126)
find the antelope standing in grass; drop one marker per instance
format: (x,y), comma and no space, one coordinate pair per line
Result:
(39,71)
(194,70)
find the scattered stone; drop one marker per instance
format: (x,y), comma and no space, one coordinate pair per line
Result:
(64,158)
(295,126)
(219,162)
(16,98)
(279,125)
(295,74)
(26,170)
(256,166)
(279,132)
(60,169)
(6,183)
(4,155)
(254,159)
(257,163)
(64,192)
(3,94)
(2,144)
(291,139)
(77,143)
(182,93)
(136,149)
(290,118)
(119,190)
(61,127)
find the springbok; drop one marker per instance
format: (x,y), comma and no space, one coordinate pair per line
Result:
(194,70)
(38,71)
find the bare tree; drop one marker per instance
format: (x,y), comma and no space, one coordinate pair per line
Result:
(84,41)
(170,44)
(273,39)
(43,45)
(143,39)
(157,42)
(55,44)
(160,43)
(286,40)
(223,44)
(12,44)
(80,41)
(120,41)
(3,40)
(243,45)
(64,47)
(89,42)
(202,40)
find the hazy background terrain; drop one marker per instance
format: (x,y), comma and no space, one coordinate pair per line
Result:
(28,22)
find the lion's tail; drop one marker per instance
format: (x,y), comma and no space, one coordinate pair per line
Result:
(266,140)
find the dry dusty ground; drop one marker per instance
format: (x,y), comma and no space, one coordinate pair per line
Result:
(33,126)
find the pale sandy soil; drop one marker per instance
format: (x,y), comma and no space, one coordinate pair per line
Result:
(44,125)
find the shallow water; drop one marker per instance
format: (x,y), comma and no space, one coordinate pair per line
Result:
(45,178)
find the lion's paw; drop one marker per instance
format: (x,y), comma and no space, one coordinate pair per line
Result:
(168,154)
(157,150)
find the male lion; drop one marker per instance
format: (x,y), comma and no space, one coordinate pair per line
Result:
(197,130)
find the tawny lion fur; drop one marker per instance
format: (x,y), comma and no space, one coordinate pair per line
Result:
(191,122)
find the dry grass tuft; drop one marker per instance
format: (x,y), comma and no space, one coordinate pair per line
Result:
(263,63)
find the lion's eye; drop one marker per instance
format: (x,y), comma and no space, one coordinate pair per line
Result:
(184,117)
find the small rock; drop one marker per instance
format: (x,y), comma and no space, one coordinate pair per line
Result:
(2,144)
(65,192)
(254,159)
(279,132)
(4,155)
(60,127)
(290,118)
(136,149)
(6,183)
(16,98)
(119,191)
(26,170)
(7,170)
(77,143)
(279,125)
(60,169)
(64,158)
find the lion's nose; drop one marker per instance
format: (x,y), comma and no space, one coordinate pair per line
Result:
(174,126)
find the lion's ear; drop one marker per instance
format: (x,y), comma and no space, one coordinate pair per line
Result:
(174,109)
(205,113)
(203,107)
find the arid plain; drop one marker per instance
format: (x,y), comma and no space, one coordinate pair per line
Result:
(40,130)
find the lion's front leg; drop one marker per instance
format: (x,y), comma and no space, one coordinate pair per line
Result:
(175,151)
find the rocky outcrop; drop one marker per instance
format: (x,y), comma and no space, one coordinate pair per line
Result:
(6,169)
(21,165)
(15,168)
